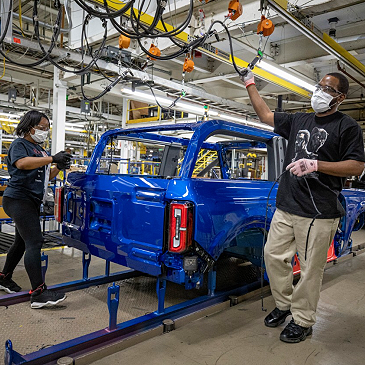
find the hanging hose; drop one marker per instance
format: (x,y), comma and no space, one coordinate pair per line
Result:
(3,70)
(20,17)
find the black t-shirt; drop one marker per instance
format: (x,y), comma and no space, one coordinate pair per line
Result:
(336,137)
(25,184)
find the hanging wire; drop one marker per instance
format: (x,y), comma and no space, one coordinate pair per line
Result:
(137,29)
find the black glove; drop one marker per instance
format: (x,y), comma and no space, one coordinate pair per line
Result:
(61,157)
(64,166)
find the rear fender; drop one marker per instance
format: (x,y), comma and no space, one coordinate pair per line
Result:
(354,204)
(245,239)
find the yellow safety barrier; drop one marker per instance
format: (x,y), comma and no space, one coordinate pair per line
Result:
(145,167)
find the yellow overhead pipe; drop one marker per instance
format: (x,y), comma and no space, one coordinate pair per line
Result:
(216,53)
(324,41)
(349,57)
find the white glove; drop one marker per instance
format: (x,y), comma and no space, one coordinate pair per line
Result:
(248,79)
(303,166)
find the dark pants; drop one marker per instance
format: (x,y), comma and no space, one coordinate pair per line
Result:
(28,238)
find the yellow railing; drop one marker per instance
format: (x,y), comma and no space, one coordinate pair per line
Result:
(3,164)
(205,157)
(145,167)
(144,120)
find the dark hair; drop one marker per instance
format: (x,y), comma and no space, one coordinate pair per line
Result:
(343,85)
(29,120)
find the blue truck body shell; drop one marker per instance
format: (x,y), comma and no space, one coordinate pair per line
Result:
(124,218)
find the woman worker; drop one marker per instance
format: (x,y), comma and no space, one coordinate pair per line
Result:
(29,167)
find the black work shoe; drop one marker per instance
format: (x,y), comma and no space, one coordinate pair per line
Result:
(42,297)
(276,317)
(9,285)
(294,333)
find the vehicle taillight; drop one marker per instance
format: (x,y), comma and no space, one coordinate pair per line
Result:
(58,204)
(180,227)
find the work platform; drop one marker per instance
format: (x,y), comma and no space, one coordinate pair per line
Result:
(230,336)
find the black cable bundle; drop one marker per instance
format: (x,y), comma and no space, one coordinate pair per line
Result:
(138,31)
(46,54)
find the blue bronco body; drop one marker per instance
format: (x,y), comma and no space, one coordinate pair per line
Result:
(176,224)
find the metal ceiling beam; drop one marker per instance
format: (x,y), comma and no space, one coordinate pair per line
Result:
(239,84)
(193,91)
(325,41)
(214,78)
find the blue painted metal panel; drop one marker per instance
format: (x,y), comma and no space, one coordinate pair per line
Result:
(224,208)
(123,219)
(354,203)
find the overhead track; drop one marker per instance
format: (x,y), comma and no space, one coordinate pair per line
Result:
(210,51)
(324,41)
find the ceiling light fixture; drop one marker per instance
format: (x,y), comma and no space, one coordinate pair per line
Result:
(164,101)
(247,122)
(10,115)
(193,108)
(285,75)
(146,97)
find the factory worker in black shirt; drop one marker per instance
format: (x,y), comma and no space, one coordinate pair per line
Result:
(324,148)
(30,168)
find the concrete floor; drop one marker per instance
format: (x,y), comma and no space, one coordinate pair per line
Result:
(233,336)
(238,336)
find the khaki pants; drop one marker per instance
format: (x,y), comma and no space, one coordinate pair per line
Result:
(287,236)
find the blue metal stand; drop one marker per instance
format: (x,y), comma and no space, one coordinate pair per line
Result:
(44,263)
(97,340)
(11,357)
(212,281)
(8,357)
(113,303)
(21,297)
(161,292)
(86,258)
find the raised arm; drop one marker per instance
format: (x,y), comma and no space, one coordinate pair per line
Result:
(262,110)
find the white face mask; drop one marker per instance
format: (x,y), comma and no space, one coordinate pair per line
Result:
(39,136)
(320,101)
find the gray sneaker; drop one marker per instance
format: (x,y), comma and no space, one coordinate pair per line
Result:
(42,297)
(8,285)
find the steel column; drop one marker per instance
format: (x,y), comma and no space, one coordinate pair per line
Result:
(4,13)
(59,113)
